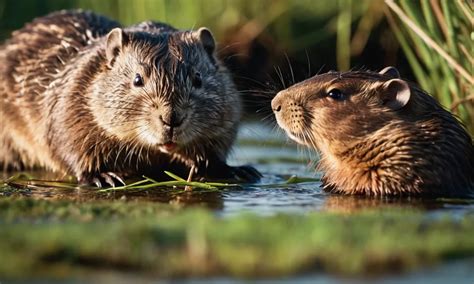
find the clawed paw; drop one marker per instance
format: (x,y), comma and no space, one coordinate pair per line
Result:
(105,179)
(246,174)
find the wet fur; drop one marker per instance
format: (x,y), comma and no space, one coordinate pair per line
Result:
(368,148)
(66,109)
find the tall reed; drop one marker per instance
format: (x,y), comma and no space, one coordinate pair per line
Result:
(435,36)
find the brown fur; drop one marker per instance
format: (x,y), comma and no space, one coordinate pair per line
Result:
(68,103)
(369,148)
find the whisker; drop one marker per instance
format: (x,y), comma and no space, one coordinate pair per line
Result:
(228,46)
(280,76)
(291,69)
(265,86)
(309,63)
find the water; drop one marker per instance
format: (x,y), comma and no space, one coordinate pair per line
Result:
(277,158)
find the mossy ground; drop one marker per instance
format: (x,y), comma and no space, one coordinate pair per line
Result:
(57,238)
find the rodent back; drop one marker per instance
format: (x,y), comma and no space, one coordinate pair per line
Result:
(38,52)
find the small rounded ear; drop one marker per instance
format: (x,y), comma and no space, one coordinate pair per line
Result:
(390,71)
(395,94)
(204,35)
(116,40)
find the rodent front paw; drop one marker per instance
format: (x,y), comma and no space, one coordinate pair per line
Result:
(246,174)
(107,178)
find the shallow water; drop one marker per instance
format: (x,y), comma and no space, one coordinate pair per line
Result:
(432,275)
(277,158)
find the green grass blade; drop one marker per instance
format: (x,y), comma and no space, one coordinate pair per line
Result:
(170,174)
(344,35)
(448,16)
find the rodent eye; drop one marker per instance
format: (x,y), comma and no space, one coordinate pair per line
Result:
(138,80)
(197,81)
(336,94)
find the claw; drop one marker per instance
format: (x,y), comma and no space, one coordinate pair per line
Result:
(108,179)
(103,179)
(117,177)
(97,182)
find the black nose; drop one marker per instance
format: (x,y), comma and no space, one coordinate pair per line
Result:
(171,120)
(277,108)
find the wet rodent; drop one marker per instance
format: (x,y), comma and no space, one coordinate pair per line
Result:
(378,135)
(83,96)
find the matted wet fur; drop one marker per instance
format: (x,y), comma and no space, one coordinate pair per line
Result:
(378,135)
(81,95)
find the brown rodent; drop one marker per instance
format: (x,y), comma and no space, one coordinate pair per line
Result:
(82,96)
(378,135)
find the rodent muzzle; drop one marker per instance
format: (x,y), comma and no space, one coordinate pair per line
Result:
(289,114)
(276,103)
(169,123)
(172,120)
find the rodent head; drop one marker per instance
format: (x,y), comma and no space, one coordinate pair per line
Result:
(164,90)
(336,107)
(377,134)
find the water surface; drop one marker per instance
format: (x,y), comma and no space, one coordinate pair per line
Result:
(277,158)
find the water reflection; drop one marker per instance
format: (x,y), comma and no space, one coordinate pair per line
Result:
(209,199)
(269,152)
(260,198)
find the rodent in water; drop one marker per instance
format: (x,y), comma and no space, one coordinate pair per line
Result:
(81,95)
(378,135)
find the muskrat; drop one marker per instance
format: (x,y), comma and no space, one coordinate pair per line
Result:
(378,135)
(83,96)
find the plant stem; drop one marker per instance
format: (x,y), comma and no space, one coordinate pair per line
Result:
(429,41)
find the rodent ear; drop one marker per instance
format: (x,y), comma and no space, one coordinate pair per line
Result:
(116,39)
(207,40)
(390,71)
(395,94)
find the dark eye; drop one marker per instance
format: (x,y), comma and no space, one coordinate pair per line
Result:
(138,80)
(197,81)
(336,95)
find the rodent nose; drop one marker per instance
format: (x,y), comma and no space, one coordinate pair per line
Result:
(171,120)
(276,104)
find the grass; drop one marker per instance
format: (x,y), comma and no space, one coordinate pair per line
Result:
(176,182)
(436,37)
(55,239)
(26,180)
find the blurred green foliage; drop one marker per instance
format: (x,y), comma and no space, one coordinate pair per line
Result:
(295,26)
(56,239)
(436,37)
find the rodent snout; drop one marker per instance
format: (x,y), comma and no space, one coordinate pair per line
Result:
(276,103)
(172,120)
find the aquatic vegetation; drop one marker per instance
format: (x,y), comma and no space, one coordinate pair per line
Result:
(25,180)
(53,239)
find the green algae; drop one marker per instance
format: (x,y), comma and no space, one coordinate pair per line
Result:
(54,238)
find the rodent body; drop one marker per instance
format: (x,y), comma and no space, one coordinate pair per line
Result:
(81,95)
(378,135)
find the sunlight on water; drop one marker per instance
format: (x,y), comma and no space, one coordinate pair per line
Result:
(277,158)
